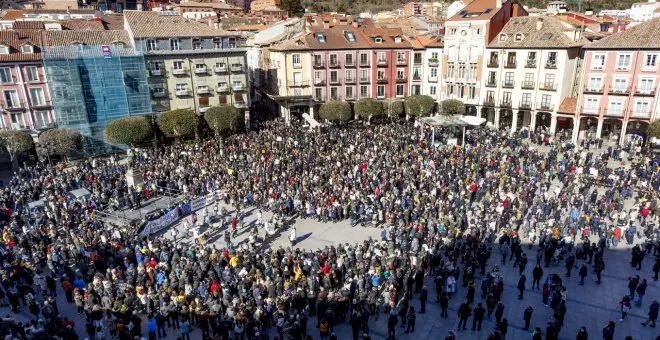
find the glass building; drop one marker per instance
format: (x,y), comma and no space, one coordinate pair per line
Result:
(92,85)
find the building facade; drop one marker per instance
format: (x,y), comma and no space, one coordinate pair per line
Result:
(466,35)
(26,102)
(530,67)
(620,84)
(432,56)
(191,65)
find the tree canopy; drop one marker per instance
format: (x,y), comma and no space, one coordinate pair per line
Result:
(419,105)
(368,107)
(62,141)
(336,110)
(223,117)
(452,107)
(129,130)
(15,143)
(653,130)
(178,123)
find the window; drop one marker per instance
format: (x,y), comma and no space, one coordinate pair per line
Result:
(526,99)
(506,97)
(472,92)
(31,74)
(502,37)
(529,78)
(650,61)
(348,59)
(4,49)
(349,75)
(461,71)
(473,72)
(350,36)
(318,93)
(450,90)
(11,98)
(333,59)
(546,102)
(549,80)
(27,49)
(380,91)
(380,74)
(453,31)
(174,44)
(598,62)
(531,57)
(364,74)
(552,60)
(378,40)
(17,120)
(400,56)
(196,44)
(399,90)
(296,61)
(508,78)
(434,72)
(511,59)
(364,59)
(645,85)
(615,107)
(461,90)
(591,105)
(320,37)
(177,65)
(318,77)
(623,61)
(490,81)
(519,37)
(450,71)
(417,58)
(619,84)
(37,97)
(200,67)
(349,92)
(432,90)
(5,75)
(434,55)
(364,91)
(217,43)
(317,60)
(415,90)
(41,118)
(333,77)
(181,87)
(400,74)
(333,93)
(595,83)
(641,108)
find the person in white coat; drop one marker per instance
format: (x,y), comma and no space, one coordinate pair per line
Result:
(292,236)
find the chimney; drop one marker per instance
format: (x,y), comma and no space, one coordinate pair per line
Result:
(539,24)
(498,3)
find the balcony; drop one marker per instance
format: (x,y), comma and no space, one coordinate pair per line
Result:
(493,63)
(612,112)
(40,105)
(297,65)
(364,80)
(489,101)
(401,62)
(156,72)
(44,125)
(159,94)
(530,63)
(350,64)
(622,67)
(510,64)
(525,105)
(433,62)
(527,85)
(181,93)
(640,114)
(491,83)
(548,86)
(221,68)
(18,126)
(433,79)
(619,91)
(545,106)
(644,92)
(237,87)
(236,67)
(417,77)
(381,80)
(505,103)
(349,80)
(299,83)
(203,90)
(335,81)
(200,70)
(223,88)
(178,71)
(334,63)
(593,89)
(508,84)
(551,64)
(319,82)
(382,62)
(591,111)
(318,64)
(401,79)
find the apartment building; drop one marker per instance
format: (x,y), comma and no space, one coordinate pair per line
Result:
(191,65)
(466,35)
(530,68)
(621,75)
(26,100)
(431,57)
(342,62)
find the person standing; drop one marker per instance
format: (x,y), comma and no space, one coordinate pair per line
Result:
(608,331)
(444,303)
(599,265)
(521,286)
(640,290)
(292,236)
(625,307)
(464,312)
(582,334)
(527,316)
(537,335)
(423,296)
(537,274)
(653,314)
(478,317)
(499,312)
(583,273)
(503,327)
(411,320)
(570,262)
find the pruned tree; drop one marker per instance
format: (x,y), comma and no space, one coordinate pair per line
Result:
(335,111)
(452,107)
(419,105)
(178,123)
(368,108)
(61,142)
(15,143)
(224,118)
(393,108)
(129,130)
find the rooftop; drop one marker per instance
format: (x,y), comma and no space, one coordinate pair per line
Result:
(154,25)
(477,10)
(63,38)
(645,35)
(15,39)
(537,32)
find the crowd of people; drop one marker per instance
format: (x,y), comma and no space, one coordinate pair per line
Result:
(445,208)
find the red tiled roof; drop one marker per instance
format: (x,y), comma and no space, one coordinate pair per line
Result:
(568,105)
(28,25)
(15,39)
(12,14)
